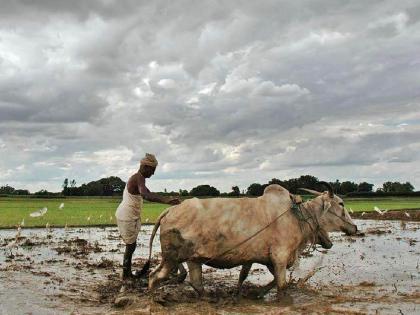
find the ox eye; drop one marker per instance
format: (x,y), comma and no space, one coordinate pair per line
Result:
(341,204)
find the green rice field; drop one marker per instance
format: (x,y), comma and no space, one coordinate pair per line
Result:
(76,211)
(100,211)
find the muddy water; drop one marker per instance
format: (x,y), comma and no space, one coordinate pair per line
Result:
(76,271)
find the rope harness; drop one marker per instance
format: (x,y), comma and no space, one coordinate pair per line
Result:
(296,210)
(247,239)
(299,214)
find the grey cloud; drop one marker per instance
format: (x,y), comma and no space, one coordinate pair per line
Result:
(212,88)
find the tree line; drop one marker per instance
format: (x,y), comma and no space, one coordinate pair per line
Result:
(114,186)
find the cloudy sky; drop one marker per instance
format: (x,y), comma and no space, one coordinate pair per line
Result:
(223,92)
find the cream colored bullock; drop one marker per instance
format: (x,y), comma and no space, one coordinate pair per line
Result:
(225,233)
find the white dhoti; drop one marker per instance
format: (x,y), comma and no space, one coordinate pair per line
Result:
(128,216)
(129,230)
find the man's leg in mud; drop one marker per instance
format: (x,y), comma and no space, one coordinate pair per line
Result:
(128,254)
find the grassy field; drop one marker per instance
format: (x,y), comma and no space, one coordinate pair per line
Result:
(391,203)
(76,212)
(99,211)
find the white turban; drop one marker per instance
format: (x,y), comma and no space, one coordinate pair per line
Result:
(150,160)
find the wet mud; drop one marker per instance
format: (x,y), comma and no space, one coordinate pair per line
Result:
(77,271)
(404,215)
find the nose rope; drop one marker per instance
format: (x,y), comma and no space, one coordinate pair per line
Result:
(333,213)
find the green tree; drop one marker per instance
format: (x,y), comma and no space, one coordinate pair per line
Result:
(43,192)
(255,189)
(21,192)
(235,191)
(204,190)
(65,186)
(407,187)
(93,189)
(7,190)
(112,185)
(365,187)
(397,187)
(336,186)
(183,192)
(348,187)
(387,187)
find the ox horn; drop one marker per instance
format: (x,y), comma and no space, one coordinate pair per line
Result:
(329,187)
(313,192)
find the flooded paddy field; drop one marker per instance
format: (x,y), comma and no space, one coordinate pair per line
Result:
(76,271)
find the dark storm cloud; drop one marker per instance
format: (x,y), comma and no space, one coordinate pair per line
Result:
(239,90)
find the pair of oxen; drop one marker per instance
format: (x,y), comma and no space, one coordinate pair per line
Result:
(271,230)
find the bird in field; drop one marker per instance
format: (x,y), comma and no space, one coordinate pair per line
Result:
(61,206)
(15,242)
(381,212)
(19,230)
(407,214)
(363,213)
(39,213)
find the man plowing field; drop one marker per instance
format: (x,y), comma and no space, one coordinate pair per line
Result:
(129,211)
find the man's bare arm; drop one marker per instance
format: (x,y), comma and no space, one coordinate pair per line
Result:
(150,196)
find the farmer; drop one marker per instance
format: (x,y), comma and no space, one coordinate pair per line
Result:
(128,212)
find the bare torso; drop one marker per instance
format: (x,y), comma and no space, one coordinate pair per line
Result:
(132,184)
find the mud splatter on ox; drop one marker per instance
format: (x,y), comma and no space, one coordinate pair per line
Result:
(202,229)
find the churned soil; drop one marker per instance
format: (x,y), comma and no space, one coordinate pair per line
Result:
(78,272)
(404,215)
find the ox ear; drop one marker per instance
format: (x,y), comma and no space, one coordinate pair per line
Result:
(313,192)
(327,206)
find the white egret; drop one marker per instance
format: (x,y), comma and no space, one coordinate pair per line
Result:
(39,213)
(381,212)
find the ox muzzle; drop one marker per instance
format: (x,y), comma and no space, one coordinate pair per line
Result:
(323,239)
(349,229)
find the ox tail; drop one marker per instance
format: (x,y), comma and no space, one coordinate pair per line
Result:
(146,266)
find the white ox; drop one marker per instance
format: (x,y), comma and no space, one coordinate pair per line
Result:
(217,232)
